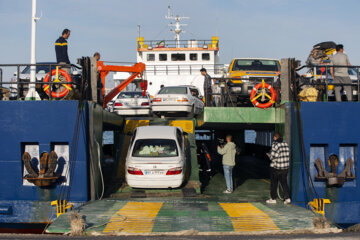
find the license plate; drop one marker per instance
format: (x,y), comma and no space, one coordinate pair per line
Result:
(168,99)
(153,172)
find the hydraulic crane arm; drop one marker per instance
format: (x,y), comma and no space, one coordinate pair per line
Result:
(136,71)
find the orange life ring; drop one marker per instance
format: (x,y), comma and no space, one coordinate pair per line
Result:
(263,86)
(67,88)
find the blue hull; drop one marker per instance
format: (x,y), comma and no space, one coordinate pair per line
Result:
(40,126)
(328,128)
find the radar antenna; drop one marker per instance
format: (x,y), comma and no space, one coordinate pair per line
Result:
(177,30)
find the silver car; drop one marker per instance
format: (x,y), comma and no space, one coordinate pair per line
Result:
(174,99)
(156,157)
(132,103)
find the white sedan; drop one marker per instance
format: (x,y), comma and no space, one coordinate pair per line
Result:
(131,103)
(156,157)
(175,99)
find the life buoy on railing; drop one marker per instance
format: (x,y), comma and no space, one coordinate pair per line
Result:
(263,87)
(67,87)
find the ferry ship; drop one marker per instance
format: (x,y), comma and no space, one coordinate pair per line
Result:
(53,157)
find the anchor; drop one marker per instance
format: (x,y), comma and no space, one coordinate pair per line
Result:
(46,176)
(331,177)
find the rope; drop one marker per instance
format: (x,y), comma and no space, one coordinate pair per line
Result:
(303,151)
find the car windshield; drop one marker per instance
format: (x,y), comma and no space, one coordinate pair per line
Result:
(173,90)
(155,148)
(38,69)
(256,65)
(131,95)
(352,71)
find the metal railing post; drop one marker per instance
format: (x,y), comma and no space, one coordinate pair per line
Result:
(50,82)
(358,83)
(17,82)
(327,84)
(1,77)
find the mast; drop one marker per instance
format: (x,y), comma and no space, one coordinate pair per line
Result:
(32,94)
(177,30)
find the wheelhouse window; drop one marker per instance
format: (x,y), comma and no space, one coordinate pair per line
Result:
(193,57)
(162,57)
(178,57)
(173,90)
(206,56)
(150,57)
(155,148)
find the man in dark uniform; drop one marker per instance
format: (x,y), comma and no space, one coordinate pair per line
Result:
(61,49)
(207,87)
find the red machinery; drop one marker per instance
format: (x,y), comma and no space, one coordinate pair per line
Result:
(136,71)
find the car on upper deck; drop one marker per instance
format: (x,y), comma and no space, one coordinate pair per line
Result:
(131,104)
(244,73)
(175,99)
(156,157)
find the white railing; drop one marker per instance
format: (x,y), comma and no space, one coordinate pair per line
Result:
(185,69)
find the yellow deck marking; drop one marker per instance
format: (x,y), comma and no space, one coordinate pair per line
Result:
(140,218)
(245,217)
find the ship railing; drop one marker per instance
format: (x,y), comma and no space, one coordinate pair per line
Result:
(222,96)
(319,77)
(185,69)
(18,85)
(158,44)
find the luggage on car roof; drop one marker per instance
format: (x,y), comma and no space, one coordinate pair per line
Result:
(320,52)
(325,45)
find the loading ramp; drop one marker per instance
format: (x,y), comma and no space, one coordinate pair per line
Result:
(202,216)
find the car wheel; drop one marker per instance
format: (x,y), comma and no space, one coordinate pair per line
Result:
(192,113)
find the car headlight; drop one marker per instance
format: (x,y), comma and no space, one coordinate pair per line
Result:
(245,78)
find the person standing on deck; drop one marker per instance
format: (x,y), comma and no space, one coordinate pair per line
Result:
(341,75)
(207,87)
(61,50)
(97,56)
(279,167)
(228,160)
(99,82)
